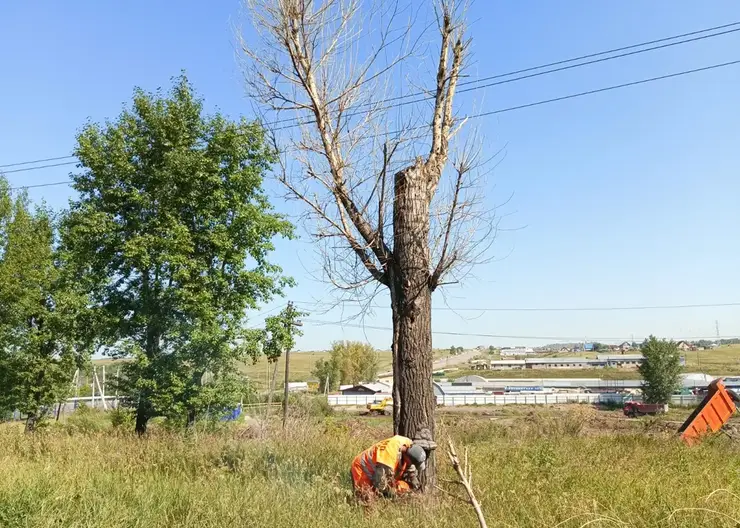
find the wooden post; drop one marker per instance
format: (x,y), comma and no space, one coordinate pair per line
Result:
(100,389)
(289,324)
(118,378)
(92,386)
(285,391)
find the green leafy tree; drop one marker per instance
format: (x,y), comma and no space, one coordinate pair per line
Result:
(327,372)
(44,336)
(174,230)
(349,362)
(278,336)
(661,370)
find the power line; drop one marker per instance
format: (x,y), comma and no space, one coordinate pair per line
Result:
(583,57)
(492,112)
(35,161)
(298,122)
(558,309)
(499,336)
(52,184)
(509,74)
(39,167)
(607,89)
(264,314)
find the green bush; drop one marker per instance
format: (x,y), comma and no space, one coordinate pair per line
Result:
(121,418)
(313,406)
(85,420)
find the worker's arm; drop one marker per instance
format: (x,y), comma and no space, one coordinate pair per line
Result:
(382,480)
(410,477)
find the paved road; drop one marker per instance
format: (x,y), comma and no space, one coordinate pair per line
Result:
(445,362)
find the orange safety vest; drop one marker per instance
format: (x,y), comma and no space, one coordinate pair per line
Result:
(388,453)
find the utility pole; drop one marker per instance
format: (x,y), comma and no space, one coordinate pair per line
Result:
(288,323)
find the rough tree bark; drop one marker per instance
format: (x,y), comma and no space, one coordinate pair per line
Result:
(142,418)
(413,301)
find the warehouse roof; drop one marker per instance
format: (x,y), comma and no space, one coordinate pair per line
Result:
(508,362)
(620,357)
(558,361)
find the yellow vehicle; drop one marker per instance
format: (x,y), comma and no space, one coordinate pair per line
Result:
(384,406)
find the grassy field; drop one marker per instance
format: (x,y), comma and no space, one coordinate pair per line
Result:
(722,360)
(563,467)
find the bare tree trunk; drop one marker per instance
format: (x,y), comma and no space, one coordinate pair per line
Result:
(142,418)
(197,380)
(396,365)
(414,348)
(31,422)
(272,387)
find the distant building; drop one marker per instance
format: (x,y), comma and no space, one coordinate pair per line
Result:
(516,351)
(621,360)
(684,345)
(456,389)
(366,388)
(508,364)
(624,347)
(297,386)
(565,363)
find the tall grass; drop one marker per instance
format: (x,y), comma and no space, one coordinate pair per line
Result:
(545,470)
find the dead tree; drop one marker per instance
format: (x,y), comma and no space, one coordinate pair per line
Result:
(387,202)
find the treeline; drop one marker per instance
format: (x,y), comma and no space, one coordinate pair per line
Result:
(158,260)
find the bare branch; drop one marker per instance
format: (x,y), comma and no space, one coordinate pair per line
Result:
(344,142)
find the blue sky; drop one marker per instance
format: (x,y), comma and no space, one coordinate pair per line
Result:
(625,198)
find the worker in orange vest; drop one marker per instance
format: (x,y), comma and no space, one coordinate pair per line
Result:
(391,466)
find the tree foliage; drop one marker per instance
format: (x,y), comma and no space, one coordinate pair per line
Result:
(44,336)
(173,230)
(280,332)
(661,370)
(350,362)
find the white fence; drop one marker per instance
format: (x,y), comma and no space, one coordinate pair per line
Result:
(336,400)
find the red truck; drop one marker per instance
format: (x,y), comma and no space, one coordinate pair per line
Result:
(634,409)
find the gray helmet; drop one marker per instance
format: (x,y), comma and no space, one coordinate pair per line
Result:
(417,456)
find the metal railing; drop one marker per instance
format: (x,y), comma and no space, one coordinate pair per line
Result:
(337,400)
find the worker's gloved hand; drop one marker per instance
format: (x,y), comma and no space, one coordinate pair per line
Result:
(411,477)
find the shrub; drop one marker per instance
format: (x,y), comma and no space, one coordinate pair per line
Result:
(85,420)
(121,418)
(661,370)
(313,406)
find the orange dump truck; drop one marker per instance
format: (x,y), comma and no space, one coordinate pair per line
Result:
(712,413)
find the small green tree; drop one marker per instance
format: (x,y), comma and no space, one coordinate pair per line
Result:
(349,362)
(43,334)
(661,370)
(327,372)
(278,336)
(173,230)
